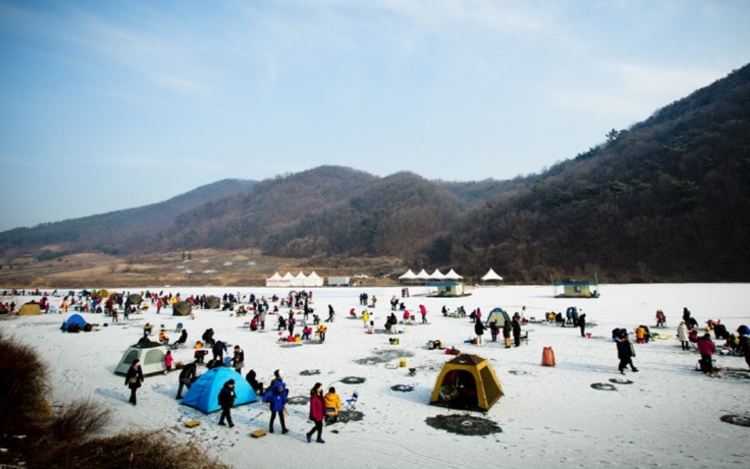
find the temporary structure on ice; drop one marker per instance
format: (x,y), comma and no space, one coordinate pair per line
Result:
(467,382)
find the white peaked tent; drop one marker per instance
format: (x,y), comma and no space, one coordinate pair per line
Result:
(286,280)
(273,280)
(452,275)
(491,276)
(422,276)
(437,275)
(408,277)
(314,280)
(299,280)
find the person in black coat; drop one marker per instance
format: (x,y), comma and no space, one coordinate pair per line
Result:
(582,324)
(134,378)
(625,353)
(218,350)
(479,331)
(506,333)
(226,401)
(187,377)
(516,326)
(252,380)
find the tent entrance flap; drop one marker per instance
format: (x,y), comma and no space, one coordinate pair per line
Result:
(459,390)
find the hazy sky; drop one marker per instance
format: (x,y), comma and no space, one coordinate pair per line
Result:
(107,105)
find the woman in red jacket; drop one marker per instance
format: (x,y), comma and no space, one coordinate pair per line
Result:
(317,412)
(707,348)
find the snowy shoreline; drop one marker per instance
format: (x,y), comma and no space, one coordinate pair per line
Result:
(668,417)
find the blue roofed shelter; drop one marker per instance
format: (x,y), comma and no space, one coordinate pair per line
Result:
(204,393)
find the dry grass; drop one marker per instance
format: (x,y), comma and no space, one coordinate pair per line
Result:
(206,267)
(37,437)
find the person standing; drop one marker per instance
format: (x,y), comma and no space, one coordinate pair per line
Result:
(682,334)
(134,379)
(238,360)
(317,413)
(276,396)
(168,361)
(506,333)
(625,353)
(187,376)
(516,326)
(582,324)
(707,348)
(226,401)
(479,331)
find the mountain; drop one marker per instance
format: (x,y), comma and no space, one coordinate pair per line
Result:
(120,230)
(664,200)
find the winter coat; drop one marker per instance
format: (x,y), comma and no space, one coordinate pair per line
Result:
(682,332)
(276,395)
(317,410)
(168,360)
(625,349)
(188,372)
(478,327)
(136,373)
(516,327)
(219,347)
(506,329)
(226,397)
(239,359)
(332,403)
(706,346)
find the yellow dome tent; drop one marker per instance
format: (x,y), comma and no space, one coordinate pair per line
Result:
(467,382)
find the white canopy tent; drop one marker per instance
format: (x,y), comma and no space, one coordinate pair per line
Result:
(422,276)
(286,280)
(314,280)
(452,275)
(437,275)
(273,280)
(491,276)
(299,280)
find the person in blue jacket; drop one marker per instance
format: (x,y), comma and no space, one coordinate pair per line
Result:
(276,396)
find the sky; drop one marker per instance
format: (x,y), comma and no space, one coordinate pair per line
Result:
(118,104)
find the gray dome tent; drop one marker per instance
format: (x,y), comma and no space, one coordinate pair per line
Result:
(181,308)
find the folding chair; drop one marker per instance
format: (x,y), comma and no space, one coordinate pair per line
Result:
(351,403)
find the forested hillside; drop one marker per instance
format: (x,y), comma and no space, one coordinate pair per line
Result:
(668,199)
(665,200)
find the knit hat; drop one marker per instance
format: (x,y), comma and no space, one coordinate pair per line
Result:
(277,374)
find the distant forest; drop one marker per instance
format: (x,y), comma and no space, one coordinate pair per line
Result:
(664,200)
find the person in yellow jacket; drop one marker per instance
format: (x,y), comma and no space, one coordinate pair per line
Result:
(366,318)
(321,332)
(332,404)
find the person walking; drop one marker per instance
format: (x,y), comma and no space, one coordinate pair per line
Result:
(682,334)
(226,401)
(317,413)
(707,348)
(187,377)
(134,379)
(276,396)
(625,353)
(479,331)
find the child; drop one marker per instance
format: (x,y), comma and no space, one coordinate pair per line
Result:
(168,361)
(332,404)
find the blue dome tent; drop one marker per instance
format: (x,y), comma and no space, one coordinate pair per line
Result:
(74,319)
(204,393)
